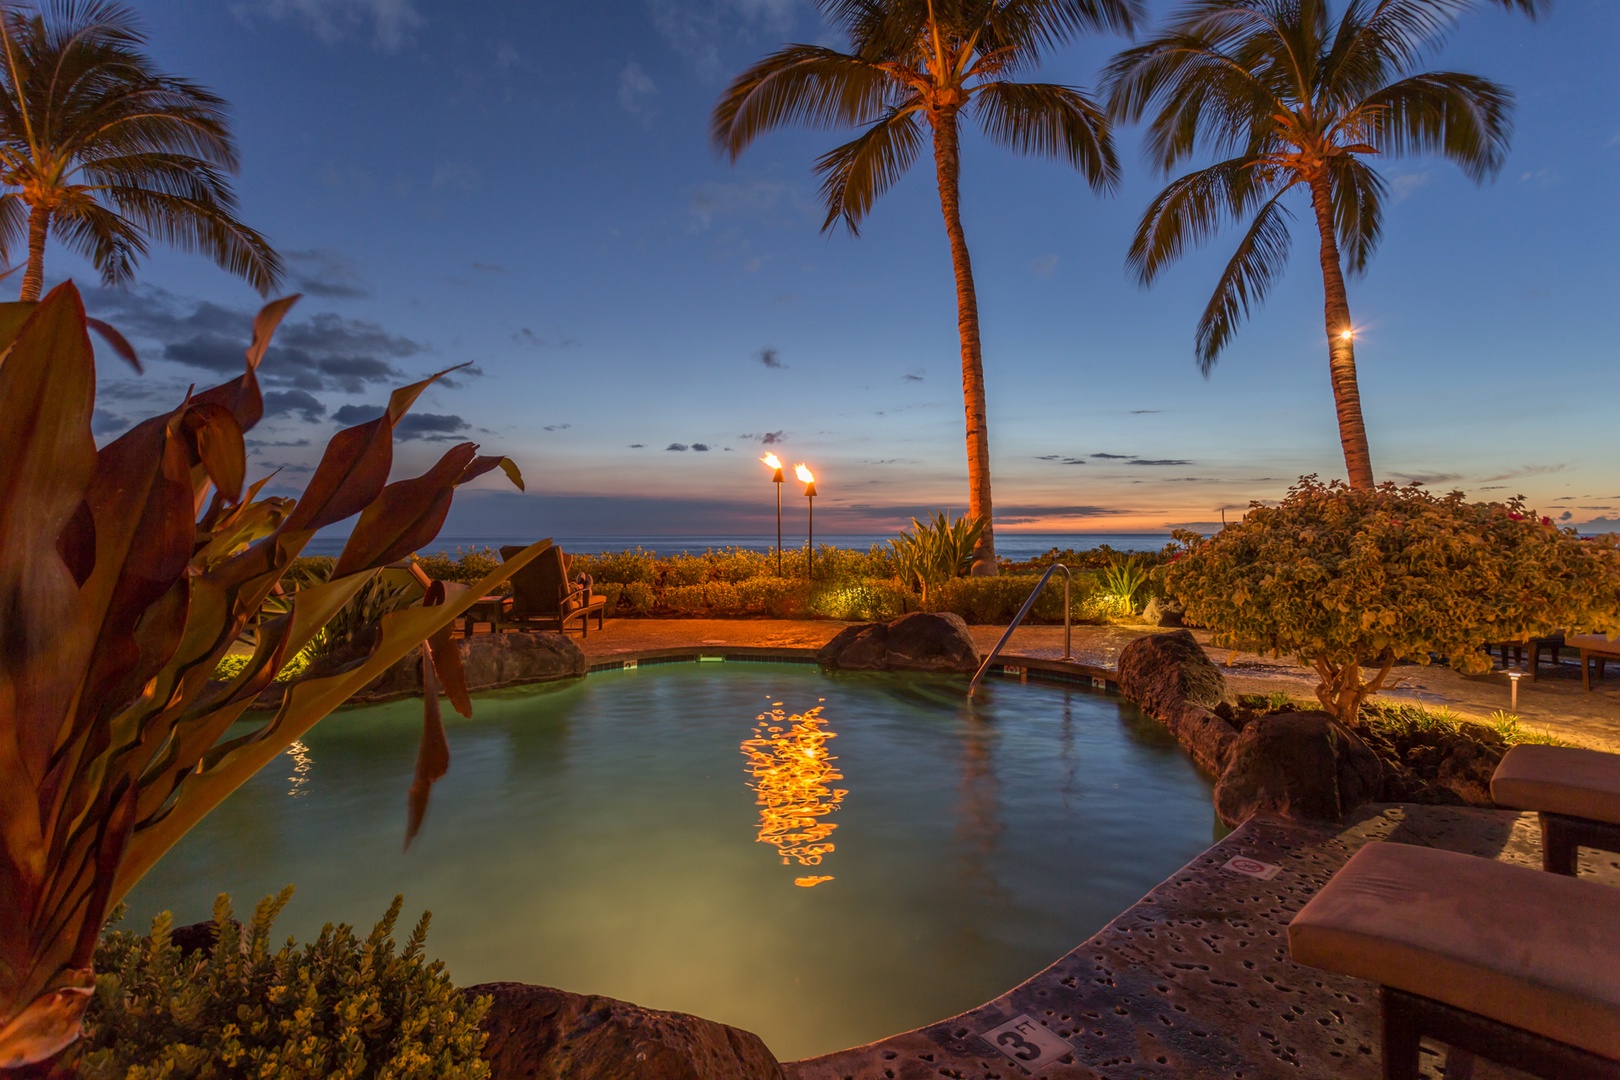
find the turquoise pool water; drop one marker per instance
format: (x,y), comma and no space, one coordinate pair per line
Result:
(648,835)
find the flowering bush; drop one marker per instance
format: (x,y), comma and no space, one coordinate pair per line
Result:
(1345,579)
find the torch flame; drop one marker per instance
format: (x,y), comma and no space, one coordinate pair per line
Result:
(772,461)
(804,474)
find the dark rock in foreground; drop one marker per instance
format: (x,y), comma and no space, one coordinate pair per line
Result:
(538,1033)
(1299,765)
(921,641)
(1175,683)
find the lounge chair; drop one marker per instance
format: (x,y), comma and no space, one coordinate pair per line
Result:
(1491,959)
(1576,792)
(1595,649)
(1552,643)
(543,596)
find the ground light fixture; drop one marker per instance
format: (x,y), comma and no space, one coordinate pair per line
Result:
(773,462)
(809,480)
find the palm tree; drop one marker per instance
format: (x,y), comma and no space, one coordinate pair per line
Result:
(1291,98)
(913,68)
(109,153)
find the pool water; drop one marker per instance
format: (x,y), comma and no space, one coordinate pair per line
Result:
(823,859)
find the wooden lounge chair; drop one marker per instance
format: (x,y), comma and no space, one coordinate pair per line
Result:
(542,595)
(1575,791)
(1500,961)
(1552,643)
(1596,649)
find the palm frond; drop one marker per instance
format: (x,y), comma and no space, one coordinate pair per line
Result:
(1254,267)
(107,240)
(1358,210)
(1463,118)
(1192,209)
(855,174)
(1201,94)
(1036,26)
(800,84)
(1050,121)
(201,226)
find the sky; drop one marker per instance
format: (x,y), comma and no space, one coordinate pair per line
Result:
(526,186)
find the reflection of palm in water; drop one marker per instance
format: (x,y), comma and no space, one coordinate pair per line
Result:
(793,773)
(978,824)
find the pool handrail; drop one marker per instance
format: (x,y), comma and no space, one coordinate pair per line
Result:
(1068,651)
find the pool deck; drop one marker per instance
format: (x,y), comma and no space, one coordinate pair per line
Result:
(1194,981)
(1555,702)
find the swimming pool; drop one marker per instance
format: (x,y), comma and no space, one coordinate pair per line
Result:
(824,859)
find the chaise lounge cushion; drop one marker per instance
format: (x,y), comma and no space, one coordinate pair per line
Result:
(1533,950)
(1594,643)
(1560,780)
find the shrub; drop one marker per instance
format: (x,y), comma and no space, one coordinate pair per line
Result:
(781,598)
(1345,578)
(936,551)
(338,1007)
(997,600)
(869,600)
(465,567)
(1123,580)
(637,597)
(624,567)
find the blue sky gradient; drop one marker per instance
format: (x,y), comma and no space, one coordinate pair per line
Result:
(528,187)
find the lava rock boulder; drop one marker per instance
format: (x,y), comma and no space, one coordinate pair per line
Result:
(539,1033)
(921,641)
(1161,671)
(1299,765)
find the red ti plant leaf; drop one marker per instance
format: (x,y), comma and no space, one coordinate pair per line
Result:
(355,466)
(446,656)
(432,756)
(241,395)
(119,343)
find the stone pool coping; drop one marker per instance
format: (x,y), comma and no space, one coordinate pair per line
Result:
(1194,980)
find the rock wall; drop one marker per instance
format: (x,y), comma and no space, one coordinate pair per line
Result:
(1175,683)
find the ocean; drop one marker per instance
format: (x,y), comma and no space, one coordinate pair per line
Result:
(1009,545)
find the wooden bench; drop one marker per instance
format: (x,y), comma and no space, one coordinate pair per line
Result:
(1576,792)
(1500,961)
(1596,649)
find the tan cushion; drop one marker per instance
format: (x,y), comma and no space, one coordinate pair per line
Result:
(1535,950)
(1561,780)
(1594,643)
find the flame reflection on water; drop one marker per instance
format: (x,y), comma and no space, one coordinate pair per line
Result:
(792,781)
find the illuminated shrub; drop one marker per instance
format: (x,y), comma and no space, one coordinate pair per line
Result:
(1344,579)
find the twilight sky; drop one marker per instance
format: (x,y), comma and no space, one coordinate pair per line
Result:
(527,185)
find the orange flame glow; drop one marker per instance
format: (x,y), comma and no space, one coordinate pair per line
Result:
(772,461)
(804,474)
(792,773)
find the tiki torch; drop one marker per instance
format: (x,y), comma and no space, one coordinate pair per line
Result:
(773,462)
(809,481)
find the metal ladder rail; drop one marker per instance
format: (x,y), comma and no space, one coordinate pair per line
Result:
(1068,581)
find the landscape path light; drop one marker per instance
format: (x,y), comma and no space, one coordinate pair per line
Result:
(773,462)
(809,479)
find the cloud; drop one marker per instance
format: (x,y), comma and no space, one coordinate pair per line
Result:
(1406,185)
(694,28)
(701,448)
(325,352)
(356,414)
(1115,457)
(260,444)
(103,422)
(286,402)
(1528,470)
(389,21)
(455,175)
(1427,479)
(915,375)
(1565,516)
(769,438)
(556,427)
(1145,412)
(638,446)
(679,447)
(638,94)
(326,273)
(1045,265)
(525,336)
(769,201)
(1027,514)
(1600,525)
(429,427)
(1060,459)
(770,358)
(489,268)
(1157,461)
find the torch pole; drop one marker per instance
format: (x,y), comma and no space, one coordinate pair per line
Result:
(778,522)
(810,538)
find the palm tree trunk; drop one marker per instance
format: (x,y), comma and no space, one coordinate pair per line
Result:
(1341,343)
(39,224)
(948,163)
